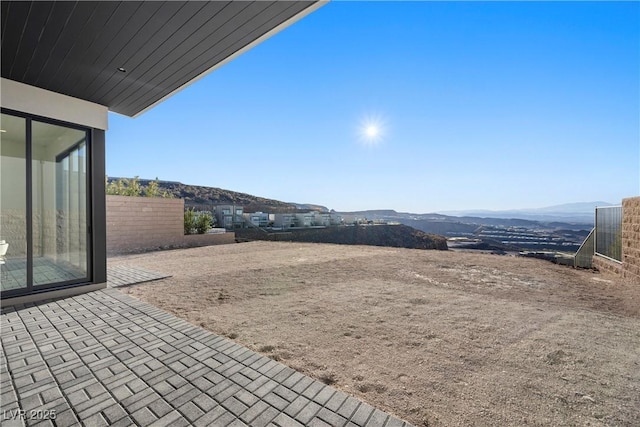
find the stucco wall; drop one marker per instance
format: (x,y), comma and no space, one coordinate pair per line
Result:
(30,99)
(631,239)
(140,224)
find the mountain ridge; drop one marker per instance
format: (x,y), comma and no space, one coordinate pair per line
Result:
(578,212)
(571,212)
(205,195)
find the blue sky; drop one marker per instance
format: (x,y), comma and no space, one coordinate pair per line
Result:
(476,106)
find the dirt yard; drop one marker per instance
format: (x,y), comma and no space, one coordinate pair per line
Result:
(436,338)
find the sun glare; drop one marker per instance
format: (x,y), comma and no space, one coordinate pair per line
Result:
(371,131)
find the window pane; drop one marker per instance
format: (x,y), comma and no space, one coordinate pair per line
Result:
(13,203)
(59,175)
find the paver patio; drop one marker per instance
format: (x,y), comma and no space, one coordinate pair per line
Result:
(104,358)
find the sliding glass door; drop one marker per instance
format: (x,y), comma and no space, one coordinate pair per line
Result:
(48,185)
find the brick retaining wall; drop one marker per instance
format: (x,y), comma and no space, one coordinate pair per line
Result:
(140,224)
(631,239)
(604,264)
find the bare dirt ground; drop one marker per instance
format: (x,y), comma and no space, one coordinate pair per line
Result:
(436,338)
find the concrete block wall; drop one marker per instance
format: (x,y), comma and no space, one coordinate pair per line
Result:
(631,239)
(604,264)
(194,240)
(140,224)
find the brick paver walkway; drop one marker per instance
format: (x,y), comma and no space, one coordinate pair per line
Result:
(123,275)
(104,358)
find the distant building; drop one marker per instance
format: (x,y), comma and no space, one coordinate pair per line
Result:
(285,220)
(326,219)
(229,216)
(322,218)
(258,219)
(305,219)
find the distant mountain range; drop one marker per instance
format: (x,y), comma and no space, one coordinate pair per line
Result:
(445,224)
(568,212)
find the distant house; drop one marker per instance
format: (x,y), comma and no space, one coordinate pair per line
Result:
(229,216)
(258,219)
(327,219)
(305,219)
(285,220)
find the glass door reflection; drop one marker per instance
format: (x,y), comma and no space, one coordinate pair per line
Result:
(59,200)
(13,203)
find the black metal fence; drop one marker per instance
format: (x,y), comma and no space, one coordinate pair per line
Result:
(609,232)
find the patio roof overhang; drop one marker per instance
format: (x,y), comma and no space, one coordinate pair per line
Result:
(131,55)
